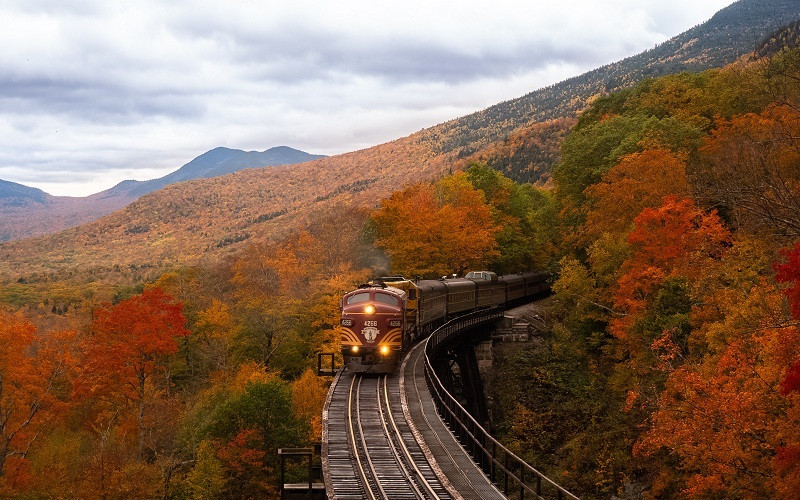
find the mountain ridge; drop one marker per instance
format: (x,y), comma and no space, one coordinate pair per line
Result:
(27,211)
(213,163)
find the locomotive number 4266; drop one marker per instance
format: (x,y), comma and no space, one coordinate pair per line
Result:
(370,323)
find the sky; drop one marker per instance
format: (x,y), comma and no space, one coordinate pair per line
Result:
(94,92)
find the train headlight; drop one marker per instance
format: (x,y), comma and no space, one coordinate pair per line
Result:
(369,309)
(384,349)
(354,348)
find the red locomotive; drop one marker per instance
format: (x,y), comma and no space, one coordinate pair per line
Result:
(373,322)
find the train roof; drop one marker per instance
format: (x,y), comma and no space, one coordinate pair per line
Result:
(380,288)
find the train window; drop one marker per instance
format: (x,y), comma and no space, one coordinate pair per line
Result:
(386,298)
(359,297)
(412,294)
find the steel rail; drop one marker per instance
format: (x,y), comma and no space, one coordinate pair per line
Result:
(425,484)
(383,410)
(360,466)
(365,448)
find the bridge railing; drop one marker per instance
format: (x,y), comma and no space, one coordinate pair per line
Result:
(504,468)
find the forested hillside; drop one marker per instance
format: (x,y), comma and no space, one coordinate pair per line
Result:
(210,219)
(786,37)
(13,194)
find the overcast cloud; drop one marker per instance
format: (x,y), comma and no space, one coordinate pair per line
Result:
(94,92)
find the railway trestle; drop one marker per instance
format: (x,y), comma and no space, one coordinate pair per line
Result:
(457,367)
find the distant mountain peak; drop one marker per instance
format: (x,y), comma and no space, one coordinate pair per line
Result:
(13,194)
(213,163)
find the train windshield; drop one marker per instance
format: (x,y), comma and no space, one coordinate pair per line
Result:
(358,297)
(387,299)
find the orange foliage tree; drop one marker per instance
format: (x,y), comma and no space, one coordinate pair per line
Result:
(32,371)
(215,330)
(291,288)
(726,420)
(128,348)
(431,230)
(638,181)
(750,167)
(732,416)
(675,239)
(308,398)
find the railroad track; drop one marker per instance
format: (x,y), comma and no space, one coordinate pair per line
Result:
(372,452)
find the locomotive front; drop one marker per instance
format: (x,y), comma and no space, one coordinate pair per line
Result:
(372,322)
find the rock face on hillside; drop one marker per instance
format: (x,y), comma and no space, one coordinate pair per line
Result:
(26,211)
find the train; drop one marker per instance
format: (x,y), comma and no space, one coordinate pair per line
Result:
(383,318)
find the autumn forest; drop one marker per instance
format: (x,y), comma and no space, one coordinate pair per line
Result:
(670,223)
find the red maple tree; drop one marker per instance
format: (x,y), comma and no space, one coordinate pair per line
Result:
(129,346)
(31,371)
